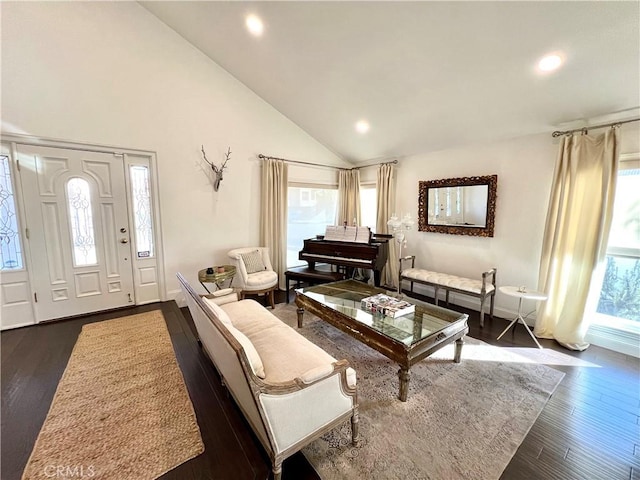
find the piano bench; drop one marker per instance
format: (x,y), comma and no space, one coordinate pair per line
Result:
(312,276)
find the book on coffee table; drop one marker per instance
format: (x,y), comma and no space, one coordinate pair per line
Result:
(386,305)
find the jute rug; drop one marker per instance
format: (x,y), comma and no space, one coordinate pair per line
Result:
(121,409)
(461,421)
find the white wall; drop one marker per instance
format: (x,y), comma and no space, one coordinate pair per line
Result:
(525,168)
(113,74)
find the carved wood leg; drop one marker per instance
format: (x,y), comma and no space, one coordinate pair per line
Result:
(271,299)
(458,351)
(447,297)
(404,376)
(435,294)
(300,312)
(277,470)
(355,434)
(482,299)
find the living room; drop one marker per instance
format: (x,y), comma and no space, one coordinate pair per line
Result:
(113,74)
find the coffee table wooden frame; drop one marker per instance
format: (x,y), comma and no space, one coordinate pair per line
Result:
(401,353)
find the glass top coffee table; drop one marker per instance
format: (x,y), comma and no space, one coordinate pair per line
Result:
(406,339)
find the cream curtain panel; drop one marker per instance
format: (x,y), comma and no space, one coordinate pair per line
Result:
(576,233)
(385,188)
(273,214)
(348,197)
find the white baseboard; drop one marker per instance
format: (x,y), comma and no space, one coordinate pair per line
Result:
(614,339)
(473,304)
(17,325)
(177,296)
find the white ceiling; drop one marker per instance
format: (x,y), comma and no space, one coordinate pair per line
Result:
(426,75)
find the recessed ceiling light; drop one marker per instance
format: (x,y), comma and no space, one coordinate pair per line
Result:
(255,25)
(362,126)
(549,63)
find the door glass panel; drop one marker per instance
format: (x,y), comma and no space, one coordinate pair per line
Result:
(10,248)
(141,195)
(81,220)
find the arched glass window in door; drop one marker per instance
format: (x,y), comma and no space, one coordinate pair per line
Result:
(81,221)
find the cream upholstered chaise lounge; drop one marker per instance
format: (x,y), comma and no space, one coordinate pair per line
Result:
(289,390)
(254,272)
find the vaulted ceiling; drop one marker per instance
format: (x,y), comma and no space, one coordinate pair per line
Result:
(425,75)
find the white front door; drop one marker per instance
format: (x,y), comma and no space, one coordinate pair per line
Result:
(78,230)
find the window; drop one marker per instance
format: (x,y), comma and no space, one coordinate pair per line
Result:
(619,295)
(368,206)
(141,198)
(310,209)
(10,248)
(81,220)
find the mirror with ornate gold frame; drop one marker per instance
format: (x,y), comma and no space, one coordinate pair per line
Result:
(458,206)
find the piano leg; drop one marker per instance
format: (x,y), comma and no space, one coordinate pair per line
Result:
(376,277)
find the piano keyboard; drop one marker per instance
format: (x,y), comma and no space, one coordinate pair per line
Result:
(331,257)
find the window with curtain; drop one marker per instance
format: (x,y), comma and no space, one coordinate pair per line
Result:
(618,294)
(368,204)
(310,209)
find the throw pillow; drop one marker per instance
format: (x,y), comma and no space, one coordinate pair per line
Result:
(253,261)
(252,354)
(217,311)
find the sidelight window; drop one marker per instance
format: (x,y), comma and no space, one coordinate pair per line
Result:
(141,198)
(10,247)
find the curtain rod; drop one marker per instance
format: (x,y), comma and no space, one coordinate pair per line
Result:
(265,157)
(558,133)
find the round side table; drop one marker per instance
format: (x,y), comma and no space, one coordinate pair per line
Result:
(522,294)
(217,278)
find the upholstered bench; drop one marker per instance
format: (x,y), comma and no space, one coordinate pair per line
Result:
(467,286)
(320,274)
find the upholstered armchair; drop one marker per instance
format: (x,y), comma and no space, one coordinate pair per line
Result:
(254,273)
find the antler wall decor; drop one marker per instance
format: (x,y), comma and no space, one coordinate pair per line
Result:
(217,170)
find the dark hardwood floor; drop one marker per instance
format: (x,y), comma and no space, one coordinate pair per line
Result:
(589,429)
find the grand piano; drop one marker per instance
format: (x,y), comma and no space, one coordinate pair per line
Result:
(348,247)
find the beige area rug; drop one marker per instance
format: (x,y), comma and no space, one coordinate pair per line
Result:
(461,421)
(121,409)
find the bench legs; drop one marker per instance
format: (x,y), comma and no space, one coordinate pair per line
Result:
(482,301)
(287,291)
(436,300)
